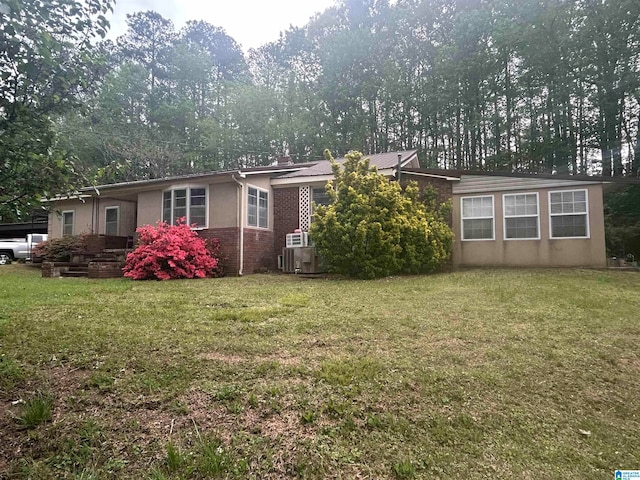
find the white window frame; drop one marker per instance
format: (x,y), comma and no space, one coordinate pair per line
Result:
(188,188)
(585,213)
(117,209)
(505,216)
(463,218)
(258,191)
(73,222)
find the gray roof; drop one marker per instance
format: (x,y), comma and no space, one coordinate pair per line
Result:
(381,160)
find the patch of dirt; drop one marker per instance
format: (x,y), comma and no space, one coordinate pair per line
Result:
(61,381)
(220,357)
(283,358)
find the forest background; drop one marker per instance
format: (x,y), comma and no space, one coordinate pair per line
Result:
(501,85)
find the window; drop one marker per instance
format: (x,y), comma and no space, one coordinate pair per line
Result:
(477,218)
(319,196)
(258,208)
(190,203)
(111,216)
(521,216)
(67,223)
(568,214)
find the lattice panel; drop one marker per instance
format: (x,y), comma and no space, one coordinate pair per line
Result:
(305,208)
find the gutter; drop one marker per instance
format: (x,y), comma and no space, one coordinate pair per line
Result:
(240,219)
(431,175)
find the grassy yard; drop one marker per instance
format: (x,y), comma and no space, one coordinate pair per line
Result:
(524,374)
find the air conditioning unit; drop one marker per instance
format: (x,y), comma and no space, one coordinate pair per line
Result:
(300,239)
(301,260)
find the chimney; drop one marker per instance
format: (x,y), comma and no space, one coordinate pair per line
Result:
(284,161)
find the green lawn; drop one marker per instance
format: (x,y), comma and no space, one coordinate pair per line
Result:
(476,374)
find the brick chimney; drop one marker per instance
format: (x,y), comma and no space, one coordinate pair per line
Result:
(283,161)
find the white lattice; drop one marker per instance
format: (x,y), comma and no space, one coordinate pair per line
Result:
(305,208)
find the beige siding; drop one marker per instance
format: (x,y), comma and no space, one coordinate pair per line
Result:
(470,184)
(83,221)
(149,207)
(223,205)
(127,220)
(543,252)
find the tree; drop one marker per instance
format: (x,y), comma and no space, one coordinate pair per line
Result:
(373,228)
(46,63)
(622,220)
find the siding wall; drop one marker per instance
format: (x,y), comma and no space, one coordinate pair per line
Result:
(127,220)
(149,207)
(546,251)
(83,219)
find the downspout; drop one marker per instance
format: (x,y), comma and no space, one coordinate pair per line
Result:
(399,175)
(240,219)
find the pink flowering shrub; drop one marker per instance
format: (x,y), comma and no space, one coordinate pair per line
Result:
(166,252)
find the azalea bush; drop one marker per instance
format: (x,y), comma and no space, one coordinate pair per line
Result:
(374,228)
(167,252)
(59,249)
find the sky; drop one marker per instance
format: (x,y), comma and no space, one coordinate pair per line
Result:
(251,23)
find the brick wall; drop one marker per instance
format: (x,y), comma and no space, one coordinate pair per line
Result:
(105,269)
(229,247)
(258,250)
(444,188)
(286,216)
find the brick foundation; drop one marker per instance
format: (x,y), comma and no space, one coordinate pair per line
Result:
(286,213)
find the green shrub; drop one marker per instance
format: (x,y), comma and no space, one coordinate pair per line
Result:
(373,228)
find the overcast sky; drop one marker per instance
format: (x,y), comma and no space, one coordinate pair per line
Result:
(251,23)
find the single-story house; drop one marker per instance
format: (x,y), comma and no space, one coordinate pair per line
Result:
(497,219)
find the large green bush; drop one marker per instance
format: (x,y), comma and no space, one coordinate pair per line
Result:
(373,228)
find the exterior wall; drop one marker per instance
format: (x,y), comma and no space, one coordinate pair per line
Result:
(443,187)
(223,205)
(546,251)
(83,218)
(258,250)
(286,216)
(149,207)
(229,247)
(127,220)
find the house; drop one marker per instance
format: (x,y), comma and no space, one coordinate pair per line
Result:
(497,219)
(520,219)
